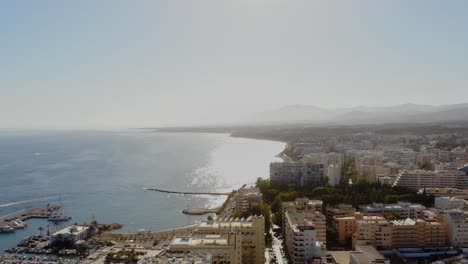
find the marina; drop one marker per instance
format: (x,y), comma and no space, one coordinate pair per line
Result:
(18,217)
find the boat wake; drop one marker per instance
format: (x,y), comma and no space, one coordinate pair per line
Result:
(28,201)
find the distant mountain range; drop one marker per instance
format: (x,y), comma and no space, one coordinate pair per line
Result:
(404,113)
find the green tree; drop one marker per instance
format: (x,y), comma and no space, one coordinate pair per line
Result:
(391,199)
(82,249)
(40,230)
(332,235)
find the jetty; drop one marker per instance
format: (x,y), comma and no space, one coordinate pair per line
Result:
(38,212)
(187,193)
(200,211)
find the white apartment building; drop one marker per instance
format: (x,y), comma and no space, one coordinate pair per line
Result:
(417,179)
(312,210)
(457,227)
(302,243)
(299,173)
(449,203)
(334,174)
(71,233)
(402,209)
(386,180)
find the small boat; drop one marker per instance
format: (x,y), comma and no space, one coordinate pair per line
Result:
(58,218)
(6,229)
(17,224)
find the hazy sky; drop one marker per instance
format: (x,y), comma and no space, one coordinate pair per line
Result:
(147,63)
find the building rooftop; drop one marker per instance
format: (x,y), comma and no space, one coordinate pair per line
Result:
(301,221)
(367,254)
(407,221)
(456,214)
(208,240)
(397,206)
(75,229)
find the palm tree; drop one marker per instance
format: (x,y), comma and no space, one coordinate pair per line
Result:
(56,224)
(48,231)
(40,230)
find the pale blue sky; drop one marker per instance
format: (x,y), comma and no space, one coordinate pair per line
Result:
(114,63)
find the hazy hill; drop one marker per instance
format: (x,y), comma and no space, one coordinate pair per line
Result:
(405,113)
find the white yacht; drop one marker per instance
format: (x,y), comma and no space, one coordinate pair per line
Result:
(17,224)
(58,217)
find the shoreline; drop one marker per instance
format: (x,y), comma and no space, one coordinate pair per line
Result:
(212,207)
(229,133)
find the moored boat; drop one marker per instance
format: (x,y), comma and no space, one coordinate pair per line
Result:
(58,218)
(17,224)
(6,229)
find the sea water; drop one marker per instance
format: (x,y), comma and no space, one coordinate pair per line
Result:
(104,173)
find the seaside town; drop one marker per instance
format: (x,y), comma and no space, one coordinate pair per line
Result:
(359,198)
(234,132)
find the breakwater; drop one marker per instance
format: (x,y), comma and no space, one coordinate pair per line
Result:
(200,211)
(39,212)
(186,193)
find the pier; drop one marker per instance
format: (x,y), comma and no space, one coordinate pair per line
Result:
(200,211)
(186,193)
(38,212)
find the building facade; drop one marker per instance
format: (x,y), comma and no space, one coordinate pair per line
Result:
(302,243)
(457,228)
(250,231)
(417,233)
(299,173)
(372,232)
(449,203)
(246,199)
(418,179)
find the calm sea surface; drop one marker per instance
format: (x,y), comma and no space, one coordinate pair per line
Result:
(104,173)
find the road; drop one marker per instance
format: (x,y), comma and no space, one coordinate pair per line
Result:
(277,248)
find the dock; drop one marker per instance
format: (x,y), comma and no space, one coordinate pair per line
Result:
(38,212)
(187,193)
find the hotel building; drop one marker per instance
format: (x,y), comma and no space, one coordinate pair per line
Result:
(299,173)
(312,209)
(301,238)
(417,233)
(457,228)
(449,203)
(345,226)
(250,232)
(418,179)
